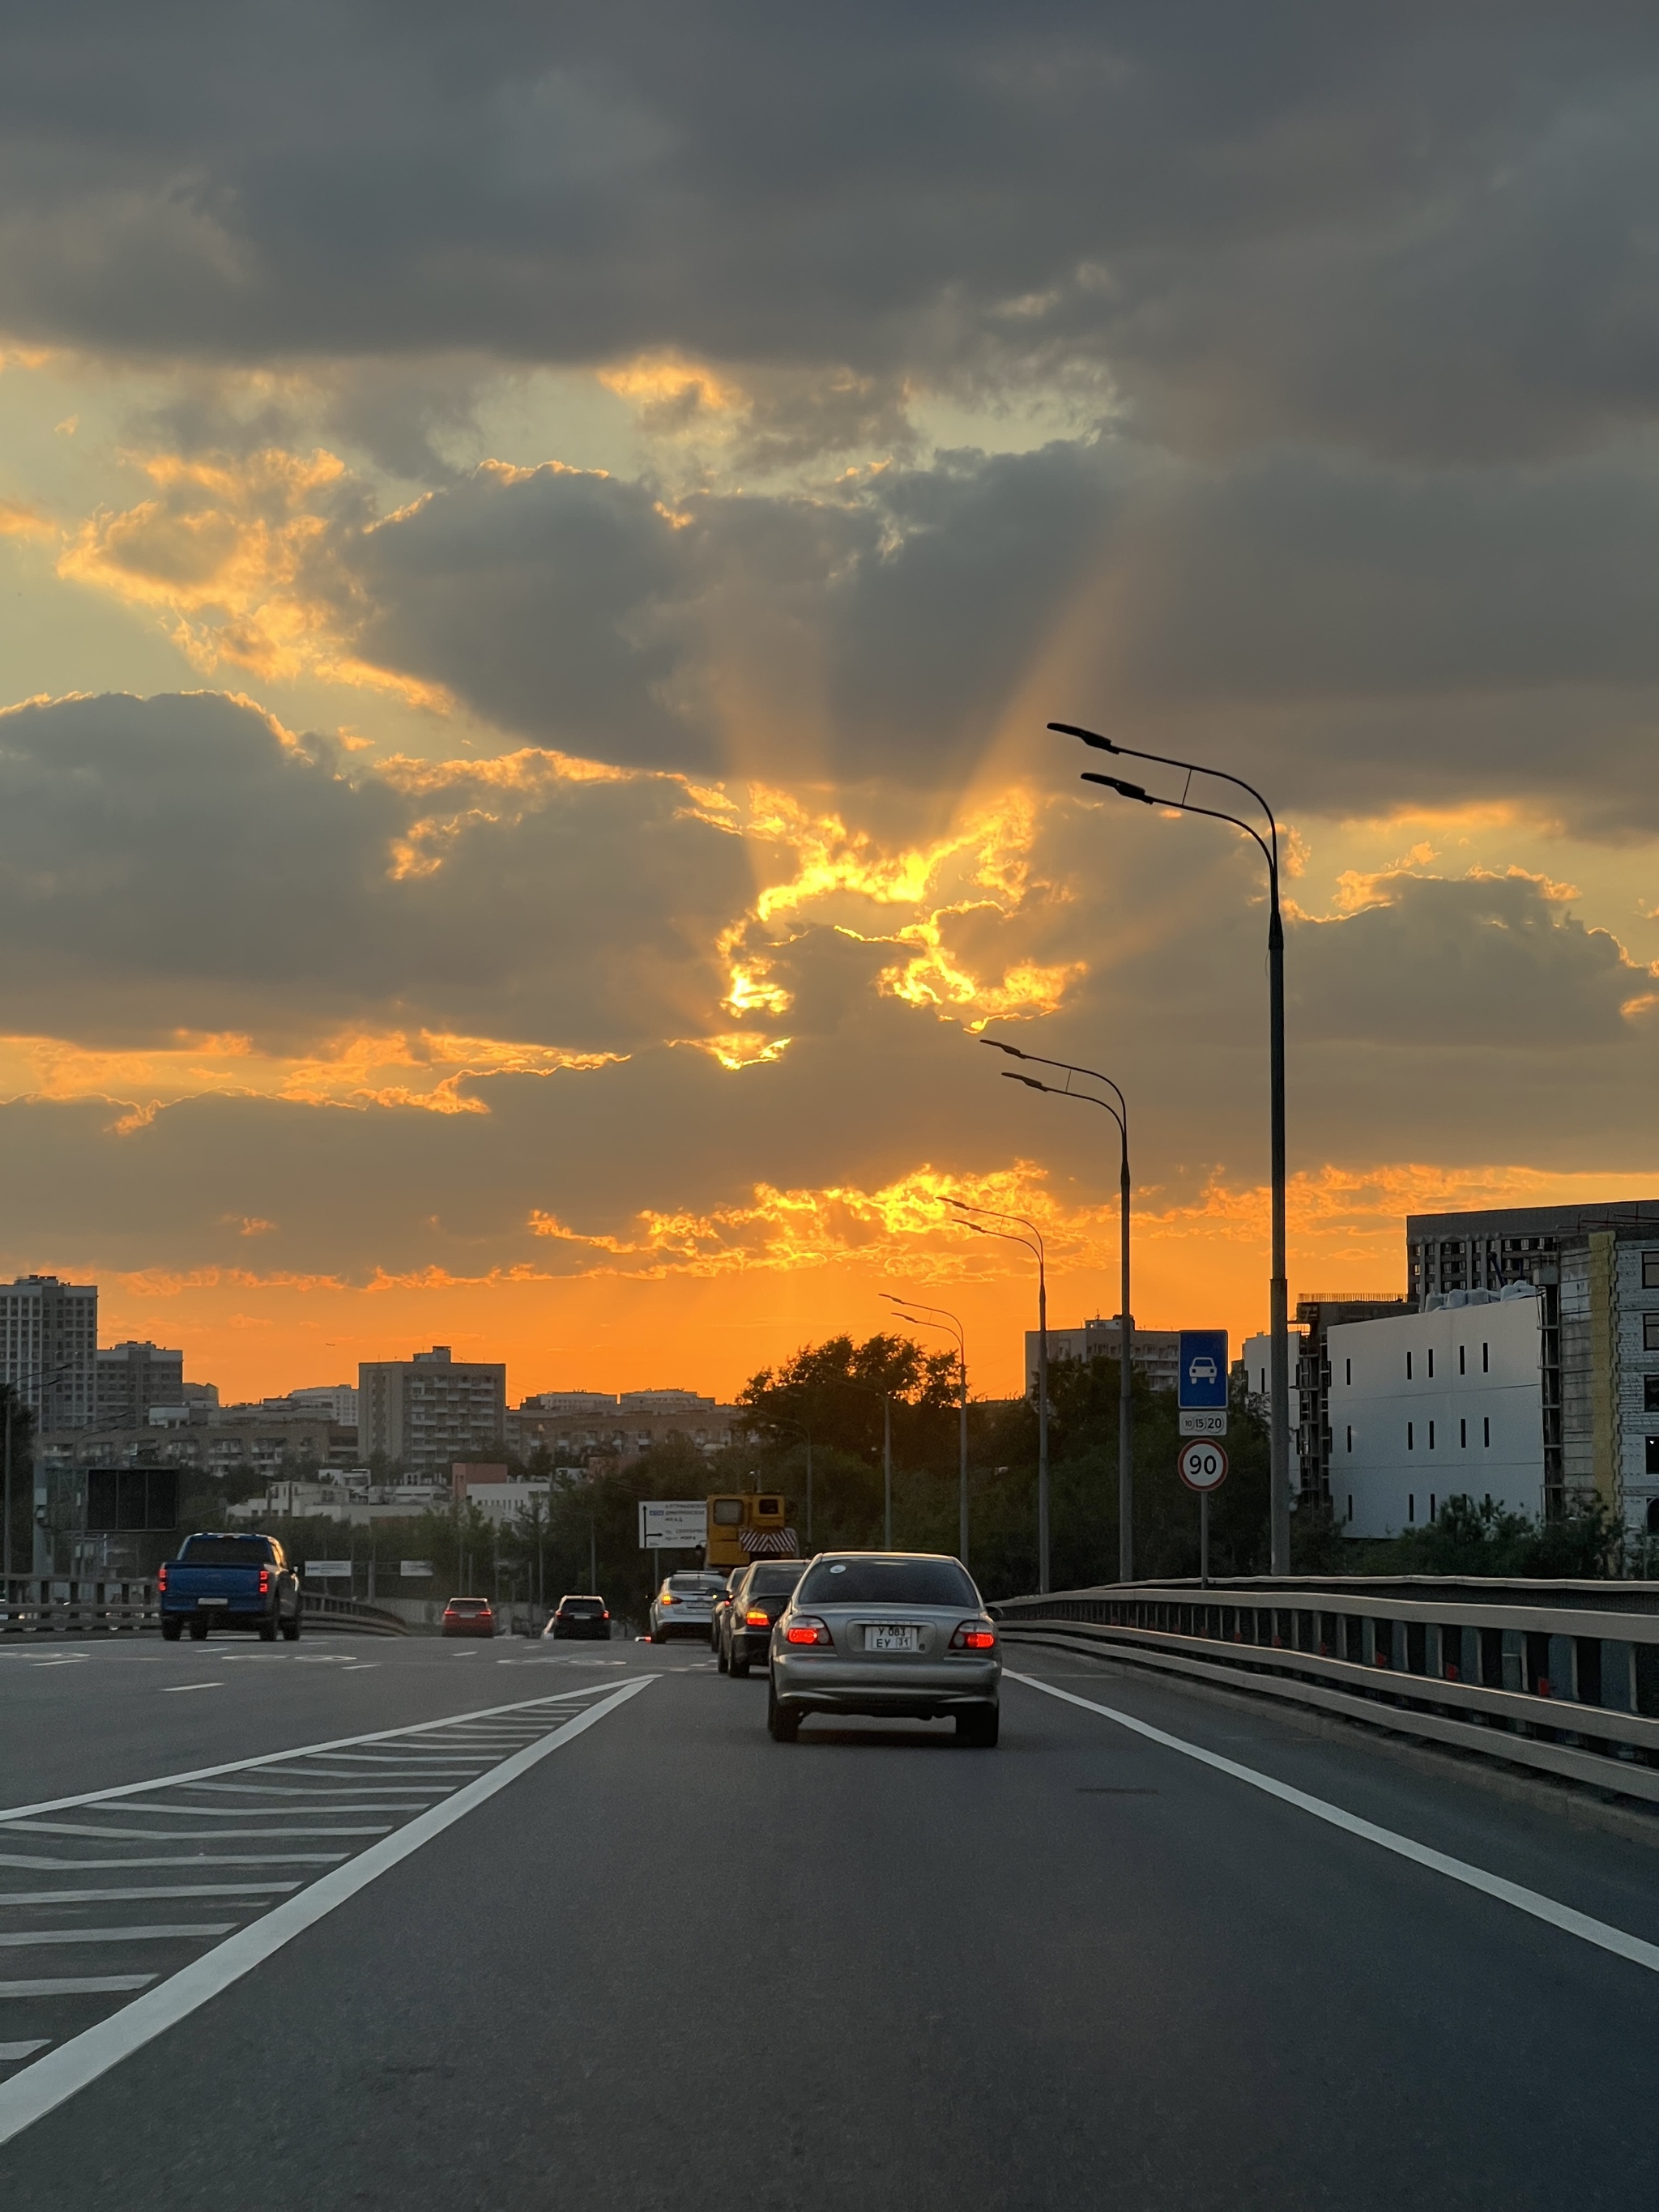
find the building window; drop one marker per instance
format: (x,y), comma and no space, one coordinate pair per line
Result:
(1410,1437)
(1351,1440)
(1411,1505)
(1432,1363)
(1485,1358)
(1408,1367)
(1653,1455)
(1460,1360)
(1462,1436)
(1348,1371)
(1351,1505)
(1650,1332)
(1432,1505)
(1650,1271)
(1487,1429)
(1430,1435)
(1650,1393)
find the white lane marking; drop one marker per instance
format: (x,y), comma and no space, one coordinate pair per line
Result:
(124,1896)
(317,1798)
(180,1835)
(32,1938)
(22,2049)
(184,1858)
(299,1751)
(72,1985)
(1601,1933)
(77,1659)
(359,1666)
(177,1689)
(262,1812)
(40,2088)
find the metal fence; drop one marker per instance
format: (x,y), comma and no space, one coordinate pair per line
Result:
(1560,1677)
(60,1605)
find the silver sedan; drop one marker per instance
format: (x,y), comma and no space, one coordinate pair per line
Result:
(896,1632)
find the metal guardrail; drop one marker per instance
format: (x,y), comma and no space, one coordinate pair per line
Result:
(1539,1675)
(80,1605)
(60,1605)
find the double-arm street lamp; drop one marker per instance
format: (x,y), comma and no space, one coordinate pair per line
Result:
(1280,1362)
(1032,1244)
(1125,1338)
(943,1319)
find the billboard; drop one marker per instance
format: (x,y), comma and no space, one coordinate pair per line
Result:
(131,1500)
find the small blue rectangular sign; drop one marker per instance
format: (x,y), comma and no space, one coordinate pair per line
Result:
(1203,1369)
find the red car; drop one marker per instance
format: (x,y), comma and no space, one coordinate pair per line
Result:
(469,1616)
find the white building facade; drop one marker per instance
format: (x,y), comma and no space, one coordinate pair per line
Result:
(1256,1358)
(1433,1406)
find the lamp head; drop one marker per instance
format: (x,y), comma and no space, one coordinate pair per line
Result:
(1123,790)
(997,1045)
(1089,736)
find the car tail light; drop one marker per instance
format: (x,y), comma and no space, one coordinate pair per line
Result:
(758,1617)
(264,1581)
(667,1598)
(804,1629)
(974,1636)
(160,1578)
(605,1616)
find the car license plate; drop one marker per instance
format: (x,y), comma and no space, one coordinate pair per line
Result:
(213,1600)
(882,1636)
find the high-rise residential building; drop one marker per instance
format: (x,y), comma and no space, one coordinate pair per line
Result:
(131,1377)
(1596,1269)
(1154,1353)
(427,1412)
(49,1349)
(1310,1375)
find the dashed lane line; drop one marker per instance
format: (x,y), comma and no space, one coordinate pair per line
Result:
(33,1939)
(51,2079)
(1600,1933)
(71,1985)
(126,1896)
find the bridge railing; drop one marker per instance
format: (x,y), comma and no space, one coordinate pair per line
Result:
(57,1604)
(1562,1678)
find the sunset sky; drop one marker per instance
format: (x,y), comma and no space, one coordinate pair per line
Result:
(538,546)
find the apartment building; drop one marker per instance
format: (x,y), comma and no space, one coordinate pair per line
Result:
(615,1433)
(1154,1353)
(130,1379)
(429,1411)
(1596,1270)
(49,1349)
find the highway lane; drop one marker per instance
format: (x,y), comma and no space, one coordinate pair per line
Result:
(675,1964)
(87,1713)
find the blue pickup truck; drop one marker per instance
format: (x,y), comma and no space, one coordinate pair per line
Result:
(229,1581)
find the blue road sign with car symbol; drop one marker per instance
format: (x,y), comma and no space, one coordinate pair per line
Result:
(1203,1369)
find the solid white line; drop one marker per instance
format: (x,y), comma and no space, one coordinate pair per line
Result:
(174,1689)
(40,2088)
(257,1812)
(185,1858)
(22,2049)
(318,1798)
(1601,1933)
(179,1835)
(73,1986)
(299,1751)
(123,1896)
(155,1935)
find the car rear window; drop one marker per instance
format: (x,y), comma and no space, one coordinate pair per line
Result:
(775,1581)
(692,1583)
(591,1606)
(227,1552)
(469,1605)
(888,1581)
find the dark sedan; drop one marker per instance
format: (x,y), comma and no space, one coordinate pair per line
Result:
(745,1628)
(579,1616)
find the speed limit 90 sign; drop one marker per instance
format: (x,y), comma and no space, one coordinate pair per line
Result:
(1202,1465)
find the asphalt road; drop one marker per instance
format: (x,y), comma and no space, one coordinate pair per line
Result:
(647,1958)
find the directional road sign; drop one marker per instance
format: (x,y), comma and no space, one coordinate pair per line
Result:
(1202,1466)
(673,1524)
(328,1570)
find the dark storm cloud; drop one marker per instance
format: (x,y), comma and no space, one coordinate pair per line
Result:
(1417,229)
(174,864)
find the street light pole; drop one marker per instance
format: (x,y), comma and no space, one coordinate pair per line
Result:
(953,1325)
(784,1421)
(1126,1329)
(1032,1244)
(1278,1290)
